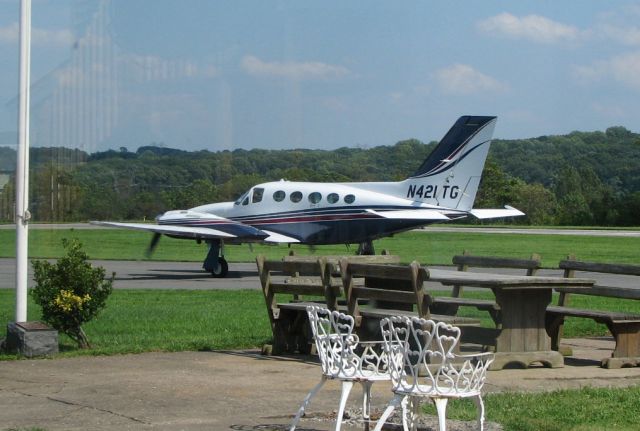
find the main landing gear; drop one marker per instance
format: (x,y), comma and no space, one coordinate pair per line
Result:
(215,263)
(365,248)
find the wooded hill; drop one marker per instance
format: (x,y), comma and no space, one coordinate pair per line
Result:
(583,178)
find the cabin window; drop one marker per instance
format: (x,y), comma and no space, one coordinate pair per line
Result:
(332,198)
(296,197)
(315,197)
(279,196)
(349,199)
(258,192)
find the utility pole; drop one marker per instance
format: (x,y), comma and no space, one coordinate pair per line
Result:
(22,165)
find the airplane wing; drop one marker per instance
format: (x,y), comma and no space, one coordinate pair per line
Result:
(418,214)
(507,211)
(225,230)
(186,231)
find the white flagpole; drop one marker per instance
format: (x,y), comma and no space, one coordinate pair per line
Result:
(22,165)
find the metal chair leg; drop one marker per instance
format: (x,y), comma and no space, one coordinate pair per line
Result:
(441,407)
(480,405)
(410,413)
(393,404)
(346,389)
(306,402)
(366,403)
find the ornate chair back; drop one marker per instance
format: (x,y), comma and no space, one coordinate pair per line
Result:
(423,360)
(341,353)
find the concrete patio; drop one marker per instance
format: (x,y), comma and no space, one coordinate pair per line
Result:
(228,390)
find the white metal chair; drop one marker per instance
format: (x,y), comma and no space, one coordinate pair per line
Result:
(345,358)
(422,364)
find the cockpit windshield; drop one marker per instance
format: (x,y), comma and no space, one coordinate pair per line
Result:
(242,198)
(256,194)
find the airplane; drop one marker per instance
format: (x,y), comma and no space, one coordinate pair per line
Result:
(442,189)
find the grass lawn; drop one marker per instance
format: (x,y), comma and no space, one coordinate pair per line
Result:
(166,320)
(587,409)
(435,248)
(173,320)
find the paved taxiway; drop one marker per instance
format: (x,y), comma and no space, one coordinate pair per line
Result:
(157,275)
(191,276)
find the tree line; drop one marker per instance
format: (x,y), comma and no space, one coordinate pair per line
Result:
(583,178)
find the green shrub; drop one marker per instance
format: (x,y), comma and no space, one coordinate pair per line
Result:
(71,292)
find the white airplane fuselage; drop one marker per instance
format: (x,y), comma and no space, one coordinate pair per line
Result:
(334,213)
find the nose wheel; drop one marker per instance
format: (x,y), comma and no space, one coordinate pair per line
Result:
(221,270)
(215,263)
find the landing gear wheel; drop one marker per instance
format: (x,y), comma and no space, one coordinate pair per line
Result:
(365,248)
(222,269)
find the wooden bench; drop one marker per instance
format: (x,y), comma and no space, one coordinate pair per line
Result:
(624,326)
(450,305)
(304,280)
(393,290)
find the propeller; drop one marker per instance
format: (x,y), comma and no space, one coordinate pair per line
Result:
(153,244)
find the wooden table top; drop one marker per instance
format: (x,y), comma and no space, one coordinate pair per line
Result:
(504,281)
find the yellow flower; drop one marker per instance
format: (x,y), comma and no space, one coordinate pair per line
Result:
(67,301)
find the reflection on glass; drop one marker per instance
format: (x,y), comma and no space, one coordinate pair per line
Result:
(315,197)
(332,198)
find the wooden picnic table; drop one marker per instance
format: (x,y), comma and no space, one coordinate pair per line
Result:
(523,300)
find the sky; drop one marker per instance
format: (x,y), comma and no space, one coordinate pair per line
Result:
(280,74)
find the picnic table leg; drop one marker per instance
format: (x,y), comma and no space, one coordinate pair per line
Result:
(627,350)
(554,324)
(280,330)
(301,337)
(523,338)
(284,336)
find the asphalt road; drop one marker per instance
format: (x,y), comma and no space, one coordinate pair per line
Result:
(158,275)
(191,276)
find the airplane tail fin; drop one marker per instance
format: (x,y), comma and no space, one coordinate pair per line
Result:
(450,175)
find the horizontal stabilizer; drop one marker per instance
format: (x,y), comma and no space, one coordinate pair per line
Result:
(183,231)
(507,211)
(417,214)
(278,238)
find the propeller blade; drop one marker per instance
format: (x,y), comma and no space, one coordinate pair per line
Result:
(153,244)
